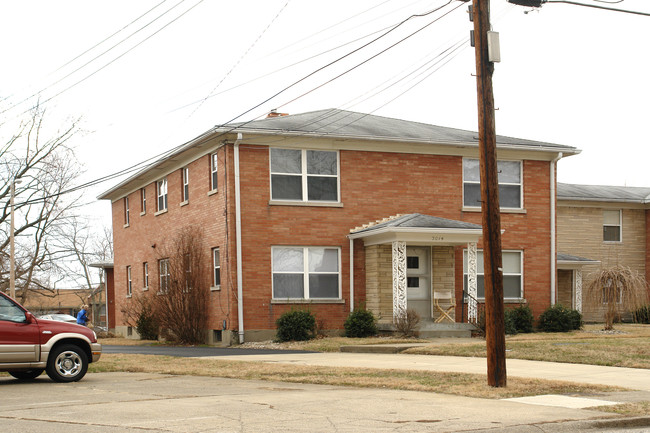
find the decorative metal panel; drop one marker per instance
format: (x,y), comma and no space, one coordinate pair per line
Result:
(578,273)
(472,264)
(399,278)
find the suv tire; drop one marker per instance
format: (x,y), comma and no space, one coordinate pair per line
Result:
(67,363)
(27,374)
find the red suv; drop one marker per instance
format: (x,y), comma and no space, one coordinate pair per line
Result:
(29,346)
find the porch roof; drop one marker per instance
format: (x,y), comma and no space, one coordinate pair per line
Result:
(419,229)
(567,261)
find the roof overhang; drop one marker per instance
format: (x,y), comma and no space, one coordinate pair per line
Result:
(418,236)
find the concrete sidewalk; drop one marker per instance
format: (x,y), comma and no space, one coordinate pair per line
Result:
(631,378)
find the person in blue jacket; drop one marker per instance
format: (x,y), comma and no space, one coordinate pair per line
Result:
(82,315)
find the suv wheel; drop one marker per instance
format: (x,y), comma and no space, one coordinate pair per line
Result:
(67,363)
(27,374)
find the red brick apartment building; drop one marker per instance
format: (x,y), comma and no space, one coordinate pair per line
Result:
(332,210)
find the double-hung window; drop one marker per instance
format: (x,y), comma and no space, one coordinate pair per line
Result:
(143,200)
(304,175)
(216,266)
(612,226)
(127,211)
(185,178)
(161,190)
(214,167)
(163,275)
(129,282)
(306,273)
(512,274)
(509,178)
(145,275)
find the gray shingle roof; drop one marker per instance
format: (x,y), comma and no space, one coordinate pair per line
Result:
(621,194)
(577,259)
(348,124)
(416,220)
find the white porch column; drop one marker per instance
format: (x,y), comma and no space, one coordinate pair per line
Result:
(472,264)
(578,277)
(399,278)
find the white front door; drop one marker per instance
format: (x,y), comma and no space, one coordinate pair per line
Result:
(418,280)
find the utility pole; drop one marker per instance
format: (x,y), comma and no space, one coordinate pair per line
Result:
(493,269)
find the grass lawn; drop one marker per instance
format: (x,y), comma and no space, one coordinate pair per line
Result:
(628,347)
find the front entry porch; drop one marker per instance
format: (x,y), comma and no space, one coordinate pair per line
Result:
(411,265)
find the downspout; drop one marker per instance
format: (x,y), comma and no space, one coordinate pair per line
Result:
(240,290)
(553,234)
(351,275)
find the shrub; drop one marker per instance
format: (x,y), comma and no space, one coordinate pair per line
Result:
(558,318)
(523,319)
(360,323)
(147,325)
(510,322)
(296,325)
(407,323)
(642,315)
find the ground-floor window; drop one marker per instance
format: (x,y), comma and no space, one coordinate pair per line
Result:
(512,274)
(306,272)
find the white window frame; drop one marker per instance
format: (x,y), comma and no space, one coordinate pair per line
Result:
(127,212)
(619,225)
(305,176)
(216,268)
(480,272)
(161,194)
(305,272)
(185,177)
(214,171)
(163,275)
(145,275)
(129,282)
(143,201)
(520,184)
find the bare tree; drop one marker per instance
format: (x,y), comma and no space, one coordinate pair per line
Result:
(43,167)
(618,289)
(181,307)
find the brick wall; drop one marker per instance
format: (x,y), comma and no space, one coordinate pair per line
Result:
(373,185)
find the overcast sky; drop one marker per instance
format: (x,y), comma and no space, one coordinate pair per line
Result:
(569,75)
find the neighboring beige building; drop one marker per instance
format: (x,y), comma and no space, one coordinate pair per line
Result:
(598,227)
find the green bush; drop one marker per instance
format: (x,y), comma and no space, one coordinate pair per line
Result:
(296,325)
(642,315)
(523,319)
(558,318)
(147,325)
(510,323)
(360,323)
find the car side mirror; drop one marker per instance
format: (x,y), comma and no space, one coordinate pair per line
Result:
(29,317)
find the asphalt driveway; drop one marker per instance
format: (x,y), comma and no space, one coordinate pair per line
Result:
(194,351)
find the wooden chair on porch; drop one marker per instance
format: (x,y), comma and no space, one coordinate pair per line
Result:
(445,303)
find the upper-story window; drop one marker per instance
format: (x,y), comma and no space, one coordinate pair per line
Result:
(186,183)
(510,184)
(143,200)
(213,171)
(127,212)
(612,226)
(304,175)
(161,190)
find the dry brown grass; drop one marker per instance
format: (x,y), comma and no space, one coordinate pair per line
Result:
(629,348)
(448,383)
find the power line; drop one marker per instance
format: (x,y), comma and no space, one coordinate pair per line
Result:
(148,162)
